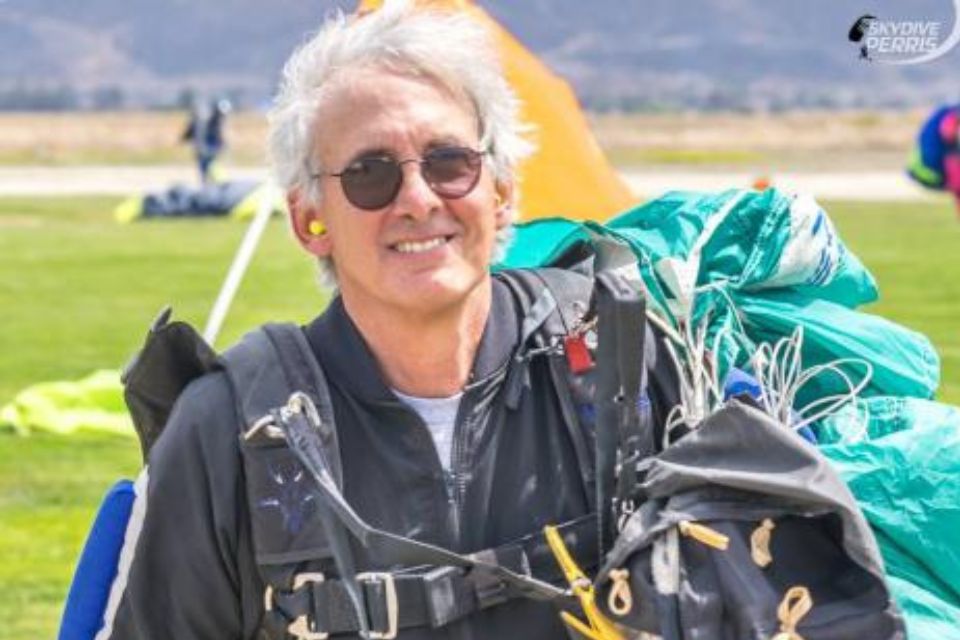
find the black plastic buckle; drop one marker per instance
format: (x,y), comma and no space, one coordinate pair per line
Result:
(448,595)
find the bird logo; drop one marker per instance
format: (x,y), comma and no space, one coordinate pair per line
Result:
(858,31)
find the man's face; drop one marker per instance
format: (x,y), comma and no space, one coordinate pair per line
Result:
(420,253)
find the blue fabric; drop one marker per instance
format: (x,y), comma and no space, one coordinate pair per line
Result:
(87,600)
(738,382)
(931,148)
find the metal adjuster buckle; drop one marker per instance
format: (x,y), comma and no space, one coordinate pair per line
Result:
(300,627)
(298,402)
(268,425)
(393,607)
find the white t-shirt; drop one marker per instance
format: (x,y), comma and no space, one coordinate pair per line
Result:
(440,415)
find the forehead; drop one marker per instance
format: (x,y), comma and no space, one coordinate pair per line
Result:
(380,110)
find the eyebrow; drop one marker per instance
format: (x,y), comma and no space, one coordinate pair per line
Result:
(370,151)
(447,140)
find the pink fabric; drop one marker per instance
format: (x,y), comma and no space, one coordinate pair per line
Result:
(951,173)
(948,128)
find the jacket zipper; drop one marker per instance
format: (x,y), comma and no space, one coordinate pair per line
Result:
(459,488)
(466,416)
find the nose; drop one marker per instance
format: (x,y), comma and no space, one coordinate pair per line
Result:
(416,199)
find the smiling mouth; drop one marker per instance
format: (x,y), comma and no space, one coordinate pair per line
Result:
(421,246)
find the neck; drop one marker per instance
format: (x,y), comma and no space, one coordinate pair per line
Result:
(430,354)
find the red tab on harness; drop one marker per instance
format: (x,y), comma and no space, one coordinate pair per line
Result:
(578,355)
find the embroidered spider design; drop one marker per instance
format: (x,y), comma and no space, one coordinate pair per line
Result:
(293,497)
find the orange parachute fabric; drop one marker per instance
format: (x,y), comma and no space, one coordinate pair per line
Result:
(568,175)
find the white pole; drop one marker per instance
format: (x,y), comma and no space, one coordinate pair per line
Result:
(240,263)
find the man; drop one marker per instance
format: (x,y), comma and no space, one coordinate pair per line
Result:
(397,139)
(205,133)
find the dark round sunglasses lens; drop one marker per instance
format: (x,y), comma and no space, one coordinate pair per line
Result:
(452,173)
(371,183)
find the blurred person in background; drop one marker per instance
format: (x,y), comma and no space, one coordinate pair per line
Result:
(205,133)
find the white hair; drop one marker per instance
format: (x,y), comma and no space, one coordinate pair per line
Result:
(449,47)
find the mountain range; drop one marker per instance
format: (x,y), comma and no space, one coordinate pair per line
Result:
(649,54)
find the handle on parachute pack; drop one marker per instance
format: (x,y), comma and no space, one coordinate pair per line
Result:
(622,436)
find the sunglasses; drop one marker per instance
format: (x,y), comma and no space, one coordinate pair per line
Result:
(372,182)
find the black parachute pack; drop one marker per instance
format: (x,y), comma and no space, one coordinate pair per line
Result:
(741,530)
(735,529)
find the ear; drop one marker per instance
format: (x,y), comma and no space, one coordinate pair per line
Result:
(304,219)
(506,203)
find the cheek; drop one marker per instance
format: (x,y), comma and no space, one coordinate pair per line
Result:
(356,235)
(484,230)
(483,208)
(478,219)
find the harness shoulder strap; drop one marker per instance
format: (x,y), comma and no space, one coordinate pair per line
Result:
(570,289)
(622,433)
(267,366)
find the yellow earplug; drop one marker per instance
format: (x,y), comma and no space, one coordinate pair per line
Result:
(316,228)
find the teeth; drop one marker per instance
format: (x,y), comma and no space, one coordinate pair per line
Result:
(420,247)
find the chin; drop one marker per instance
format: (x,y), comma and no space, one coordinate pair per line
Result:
(436,290)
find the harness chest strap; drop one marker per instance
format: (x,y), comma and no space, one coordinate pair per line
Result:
(484,578)
(433,597)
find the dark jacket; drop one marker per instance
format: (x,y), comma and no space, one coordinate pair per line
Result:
(514,470)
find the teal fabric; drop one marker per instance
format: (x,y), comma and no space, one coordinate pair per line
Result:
(905,472)
(774,262)
(765,240)
(904,362)
(927,617)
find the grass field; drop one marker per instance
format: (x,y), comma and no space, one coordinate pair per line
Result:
(79,290)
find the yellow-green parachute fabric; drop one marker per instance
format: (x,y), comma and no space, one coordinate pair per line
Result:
(94,403)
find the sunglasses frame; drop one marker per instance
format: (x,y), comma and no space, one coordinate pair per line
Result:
(473,155)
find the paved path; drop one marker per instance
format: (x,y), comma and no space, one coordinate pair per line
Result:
(860,185)
(58,181)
